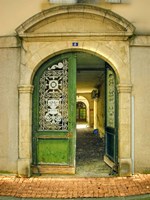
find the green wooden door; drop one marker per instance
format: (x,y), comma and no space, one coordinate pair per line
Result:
(111,130)
(54,112)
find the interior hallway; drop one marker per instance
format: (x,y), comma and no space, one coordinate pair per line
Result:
(89,155)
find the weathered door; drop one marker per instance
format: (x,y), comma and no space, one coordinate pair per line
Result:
(111,130)
(54,118)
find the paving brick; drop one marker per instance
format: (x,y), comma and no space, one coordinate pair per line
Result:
(74,187)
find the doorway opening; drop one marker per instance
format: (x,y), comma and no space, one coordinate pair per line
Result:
(92,138)
(81,112)
(54,120)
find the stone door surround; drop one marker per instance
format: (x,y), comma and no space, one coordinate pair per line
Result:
(53,32)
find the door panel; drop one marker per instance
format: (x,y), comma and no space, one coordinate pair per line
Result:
(111,147)
(54,112)
(49,154)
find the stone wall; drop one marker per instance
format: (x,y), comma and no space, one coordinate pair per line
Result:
(140,71)
(9,79)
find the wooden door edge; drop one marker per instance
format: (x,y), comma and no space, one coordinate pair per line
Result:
(111,164)
(46,169)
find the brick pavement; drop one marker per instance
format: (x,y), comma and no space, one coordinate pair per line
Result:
(69,187)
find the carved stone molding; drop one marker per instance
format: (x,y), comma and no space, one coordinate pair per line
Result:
(25,89)
(124,88)
(54,14)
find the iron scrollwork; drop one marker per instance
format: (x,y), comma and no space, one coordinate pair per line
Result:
(111,99)
(53,97)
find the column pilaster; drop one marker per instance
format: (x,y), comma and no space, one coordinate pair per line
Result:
(124,129)
(25,129)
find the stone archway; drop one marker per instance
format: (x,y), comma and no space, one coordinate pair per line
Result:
(43,37)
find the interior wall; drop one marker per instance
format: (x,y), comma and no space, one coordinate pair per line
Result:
(101,111)
(140,71)
(9,79)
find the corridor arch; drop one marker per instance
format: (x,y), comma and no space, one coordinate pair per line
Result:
(85,101)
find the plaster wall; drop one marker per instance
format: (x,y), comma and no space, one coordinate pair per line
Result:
(34,53)
(14,13)
(140,70)
(9,79)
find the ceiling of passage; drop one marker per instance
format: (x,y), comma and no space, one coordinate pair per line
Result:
(90,72)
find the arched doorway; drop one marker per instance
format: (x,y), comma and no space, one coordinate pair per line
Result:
(80,98)
(97,81)
(38,45)
(53,119)
(81,112)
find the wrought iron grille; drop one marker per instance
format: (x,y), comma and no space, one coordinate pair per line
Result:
(53,97)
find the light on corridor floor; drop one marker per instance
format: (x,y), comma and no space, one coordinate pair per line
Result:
(80,126)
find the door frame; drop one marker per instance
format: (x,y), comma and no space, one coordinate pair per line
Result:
(36,48)
(111,131)
(25,121)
